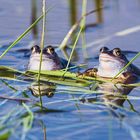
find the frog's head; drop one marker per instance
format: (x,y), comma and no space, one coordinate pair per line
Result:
(111,62)
(50,59)
(35,49)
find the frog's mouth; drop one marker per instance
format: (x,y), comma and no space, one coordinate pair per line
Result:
(109,58)
(48,56)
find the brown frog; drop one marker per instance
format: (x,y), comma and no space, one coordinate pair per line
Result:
(50,59)
(110,64)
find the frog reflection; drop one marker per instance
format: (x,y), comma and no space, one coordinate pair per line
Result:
(111,95)
(117,94)
(43,89)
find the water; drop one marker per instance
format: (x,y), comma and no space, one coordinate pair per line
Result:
(66,117)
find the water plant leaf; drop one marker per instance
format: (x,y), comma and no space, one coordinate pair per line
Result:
(27,121)
(58,77)
(5,135)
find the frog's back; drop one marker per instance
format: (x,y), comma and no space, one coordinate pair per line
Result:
(135,69)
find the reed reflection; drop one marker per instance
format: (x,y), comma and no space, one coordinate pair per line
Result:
(33,18)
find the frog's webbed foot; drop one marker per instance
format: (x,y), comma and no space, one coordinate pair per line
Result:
(92,72)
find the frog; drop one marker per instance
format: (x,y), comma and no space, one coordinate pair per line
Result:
(50,59)
(111,62)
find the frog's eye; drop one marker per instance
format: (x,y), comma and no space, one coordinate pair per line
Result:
(104,49)
(117,52)
(35,49)
(50,50)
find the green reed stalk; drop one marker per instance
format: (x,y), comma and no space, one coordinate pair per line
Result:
(43,36)
(73,49)
(82,21)
(42,45)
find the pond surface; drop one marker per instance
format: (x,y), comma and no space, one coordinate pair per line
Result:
(72,113)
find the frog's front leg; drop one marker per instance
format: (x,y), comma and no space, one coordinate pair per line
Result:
(127,78)
(91,72)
